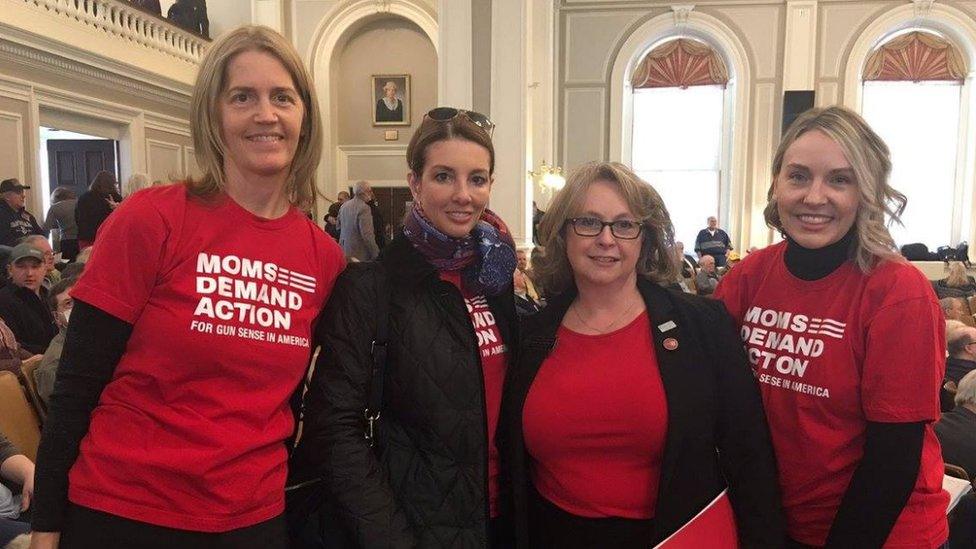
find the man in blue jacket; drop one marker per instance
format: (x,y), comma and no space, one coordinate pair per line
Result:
(15,221)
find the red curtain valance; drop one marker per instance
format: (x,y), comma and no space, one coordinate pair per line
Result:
(916,56)
(679,64)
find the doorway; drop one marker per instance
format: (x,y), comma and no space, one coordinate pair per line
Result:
(393,203)
(72,160)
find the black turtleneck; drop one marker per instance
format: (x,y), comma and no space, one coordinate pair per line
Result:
(886,475)
(814,264)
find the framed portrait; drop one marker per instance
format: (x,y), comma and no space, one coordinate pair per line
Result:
(391,99)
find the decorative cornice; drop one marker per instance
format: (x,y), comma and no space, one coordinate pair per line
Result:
(175,94)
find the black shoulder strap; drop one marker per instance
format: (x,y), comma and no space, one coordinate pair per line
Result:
(380,339)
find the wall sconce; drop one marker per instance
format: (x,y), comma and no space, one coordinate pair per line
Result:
(549,177)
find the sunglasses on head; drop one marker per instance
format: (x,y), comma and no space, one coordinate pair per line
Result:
(446,114)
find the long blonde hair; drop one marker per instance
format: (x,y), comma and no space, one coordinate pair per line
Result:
(655,261)
(871,162)
(208,141)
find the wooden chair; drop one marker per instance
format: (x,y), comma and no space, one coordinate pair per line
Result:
(18,422)
(956,471)
(27,369)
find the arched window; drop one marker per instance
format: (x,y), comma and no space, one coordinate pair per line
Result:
(678,119)
(912,93)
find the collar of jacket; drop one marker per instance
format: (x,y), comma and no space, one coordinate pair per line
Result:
(409,266)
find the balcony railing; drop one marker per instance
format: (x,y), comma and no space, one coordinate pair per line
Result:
(125,21)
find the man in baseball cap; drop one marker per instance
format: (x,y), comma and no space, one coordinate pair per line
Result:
(23,303)
(15,221)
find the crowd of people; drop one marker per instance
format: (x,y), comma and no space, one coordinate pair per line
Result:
(598,390)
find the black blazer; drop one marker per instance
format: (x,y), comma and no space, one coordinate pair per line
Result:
(717,434)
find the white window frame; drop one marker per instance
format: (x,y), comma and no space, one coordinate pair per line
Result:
(734,180)
(960,29)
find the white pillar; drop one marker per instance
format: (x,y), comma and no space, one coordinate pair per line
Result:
(799,60)
(269,13)
(511,195)
(454,67)
(540,112)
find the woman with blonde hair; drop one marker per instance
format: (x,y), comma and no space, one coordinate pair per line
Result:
(192,327)
(847,342)
(631,406)
(957,282)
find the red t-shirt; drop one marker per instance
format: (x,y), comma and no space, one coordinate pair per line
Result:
(831,355)
(188,433)
(494,363)
(595,422)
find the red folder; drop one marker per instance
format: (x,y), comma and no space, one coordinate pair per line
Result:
(713,527)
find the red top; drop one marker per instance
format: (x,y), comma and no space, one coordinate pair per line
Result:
(831,355)
(188,433)
(494,363)
(595,421)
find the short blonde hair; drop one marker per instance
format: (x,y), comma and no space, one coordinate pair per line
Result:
(869,158)
(208,141)
(655,261)
(957,276)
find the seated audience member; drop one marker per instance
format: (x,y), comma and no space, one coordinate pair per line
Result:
(686,262)
(522,264)
(151,6)
(525,304)
(60,302)
(17,470)
(732,260)
(11,353)
(190,15)
(51,274)
(15,221)
(956,283)
(22,300)
(61,216)
(72,270)
(535,255)
(83,256)
(961,343)
(137,182)
(957,429)
(707,278)
(953,308)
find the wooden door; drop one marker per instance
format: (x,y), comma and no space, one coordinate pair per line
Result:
(73,163)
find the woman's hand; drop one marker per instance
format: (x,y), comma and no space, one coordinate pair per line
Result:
(45,540)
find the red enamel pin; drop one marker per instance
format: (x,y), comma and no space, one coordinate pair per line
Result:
(670,343)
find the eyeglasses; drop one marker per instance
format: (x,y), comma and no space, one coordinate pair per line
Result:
(626,229)
(446,114)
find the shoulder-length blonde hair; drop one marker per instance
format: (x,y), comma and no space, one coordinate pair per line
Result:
(655,261)
(208,141)
(871,162)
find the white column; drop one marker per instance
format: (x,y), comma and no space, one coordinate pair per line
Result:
(511,195)
(269,13)
(454,72)
(799,59)
(540,112)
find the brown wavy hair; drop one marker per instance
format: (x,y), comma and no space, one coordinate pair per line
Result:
(871,161)
(208,141)
(655,261)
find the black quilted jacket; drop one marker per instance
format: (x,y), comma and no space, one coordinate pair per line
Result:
(425,484)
